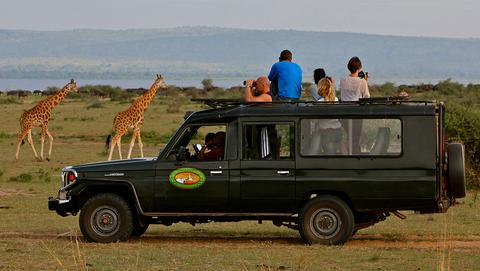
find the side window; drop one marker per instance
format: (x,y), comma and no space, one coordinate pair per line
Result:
(351,137)
(268,141)
(202,143)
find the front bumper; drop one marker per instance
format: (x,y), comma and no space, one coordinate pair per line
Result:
(62,206)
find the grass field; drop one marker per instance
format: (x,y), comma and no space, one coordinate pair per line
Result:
(33,238)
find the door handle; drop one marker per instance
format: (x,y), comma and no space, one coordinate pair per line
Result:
(216,172)
(283,172)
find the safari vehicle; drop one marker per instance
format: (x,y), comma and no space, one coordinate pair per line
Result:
(280,162)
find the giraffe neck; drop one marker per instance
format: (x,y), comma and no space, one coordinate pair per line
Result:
(147,97)
(55,99)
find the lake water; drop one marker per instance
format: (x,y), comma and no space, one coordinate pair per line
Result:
(41,84)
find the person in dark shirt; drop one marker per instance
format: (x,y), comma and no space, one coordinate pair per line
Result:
(217,150)
(286,77)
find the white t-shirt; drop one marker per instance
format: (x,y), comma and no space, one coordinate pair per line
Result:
(353,88)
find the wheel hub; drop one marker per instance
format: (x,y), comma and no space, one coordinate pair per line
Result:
(325,223)
(105,221)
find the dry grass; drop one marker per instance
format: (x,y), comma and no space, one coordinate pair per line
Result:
(33,238)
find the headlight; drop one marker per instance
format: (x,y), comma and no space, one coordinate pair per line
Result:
(69,176)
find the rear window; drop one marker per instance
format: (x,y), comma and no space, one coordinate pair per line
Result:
(351,137)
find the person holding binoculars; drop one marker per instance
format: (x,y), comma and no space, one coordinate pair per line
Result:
(257,90)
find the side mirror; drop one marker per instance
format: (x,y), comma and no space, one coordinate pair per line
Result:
(182,154)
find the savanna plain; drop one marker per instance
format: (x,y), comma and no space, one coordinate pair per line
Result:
(34,238)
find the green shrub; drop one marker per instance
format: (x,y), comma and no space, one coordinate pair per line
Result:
(45,176)
(22,178)
(10,100)
(173,107)
(463,124)
(5,135)
(95,105)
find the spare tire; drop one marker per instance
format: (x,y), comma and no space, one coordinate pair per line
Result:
(456,170)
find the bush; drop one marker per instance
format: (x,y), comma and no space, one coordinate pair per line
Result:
(44,175)
(22,178)
(173,107)
(95,105)
(10,100)
(463,124)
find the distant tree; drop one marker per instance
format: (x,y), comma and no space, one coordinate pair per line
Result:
(207,84)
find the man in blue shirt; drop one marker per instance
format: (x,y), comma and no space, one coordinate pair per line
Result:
(287,77)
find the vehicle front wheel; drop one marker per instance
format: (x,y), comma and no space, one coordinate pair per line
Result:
(106,218)
(326,220)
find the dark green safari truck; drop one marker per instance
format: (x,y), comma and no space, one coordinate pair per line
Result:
(326,169)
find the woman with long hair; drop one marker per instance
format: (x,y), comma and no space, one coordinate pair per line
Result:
(331,131)
(326,89)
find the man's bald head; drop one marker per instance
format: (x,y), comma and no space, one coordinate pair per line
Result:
(263,85)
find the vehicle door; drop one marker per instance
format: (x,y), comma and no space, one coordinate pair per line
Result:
(267,165)
(187,181)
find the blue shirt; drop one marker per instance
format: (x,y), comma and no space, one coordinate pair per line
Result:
(289,77)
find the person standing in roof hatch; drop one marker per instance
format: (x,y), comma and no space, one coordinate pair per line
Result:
(286,78)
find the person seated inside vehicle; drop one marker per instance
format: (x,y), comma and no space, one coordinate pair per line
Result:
(209,140)
(258,90)
(331,131)
(217,148)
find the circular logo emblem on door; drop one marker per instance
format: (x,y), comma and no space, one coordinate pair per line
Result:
(187,178)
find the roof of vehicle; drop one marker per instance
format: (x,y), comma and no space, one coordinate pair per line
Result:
(227,109)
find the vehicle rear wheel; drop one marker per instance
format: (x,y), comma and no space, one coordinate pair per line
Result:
(456,169)
(326,220)
(106,218)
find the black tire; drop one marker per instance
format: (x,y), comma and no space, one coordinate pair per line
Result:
(456,170)
(326,220)
(139,230)
(117,223)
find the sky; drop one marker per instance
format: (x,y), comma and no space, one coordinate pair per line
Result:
(432,18)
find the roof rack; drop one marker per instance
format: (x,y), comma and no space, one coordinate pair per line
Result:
(393,100)
(219,103)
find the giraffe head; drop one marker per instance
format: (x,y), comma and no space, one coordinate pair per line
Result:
(72,86)
(160,82)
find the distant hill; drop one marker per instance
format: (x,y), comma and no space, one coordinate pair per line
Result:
(198,52)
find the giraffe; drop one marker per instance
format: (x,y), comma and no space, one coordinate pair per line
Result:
(133,117)
(40,115)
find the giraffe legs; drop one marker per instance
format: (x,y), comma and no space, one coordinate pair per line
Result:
(116,140)
(119,145)
(20,138)
(30,141)
(135,135)
(140,143)
(42,143)
(132,143)
(50,137)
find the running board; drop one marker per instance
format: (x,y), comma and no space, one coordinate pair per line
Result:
(186,214)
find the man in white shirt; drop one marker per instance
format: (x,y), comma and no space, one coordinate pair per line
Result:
(352,88)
